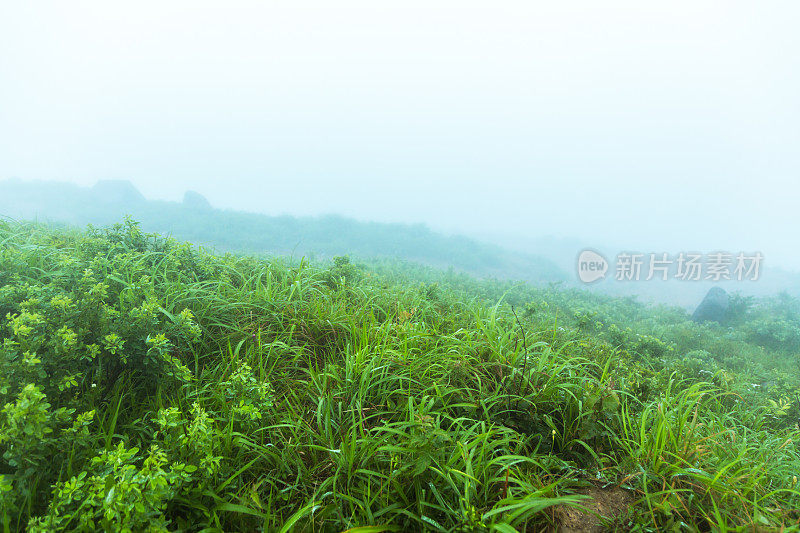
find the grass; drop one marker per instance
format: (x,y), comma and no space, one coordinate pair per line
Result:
(177,390)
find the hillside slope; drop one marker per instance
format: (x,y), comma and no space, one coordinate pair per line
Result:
(226,230)
(150,386)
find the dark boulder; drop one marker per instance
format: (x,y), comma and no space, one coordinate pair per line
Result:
(714,307)
(195,200)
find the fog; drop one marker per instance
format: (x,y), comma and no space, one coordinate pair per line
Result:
(399,265)
(629,125)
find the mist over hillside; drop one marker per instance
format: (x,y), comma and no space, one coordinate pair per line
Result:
(376,267)
(563,252)
(507,255)
(323,237)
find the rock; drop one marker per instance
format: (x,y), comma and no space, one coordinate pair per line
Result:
(117,192)
(195,200)
(714,307)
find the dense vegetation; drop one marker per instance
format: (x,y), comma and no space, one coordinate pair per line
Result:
(196,221)
(150,386)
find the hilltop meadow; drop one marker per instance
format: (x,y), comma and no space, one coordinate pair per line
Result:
(147,384)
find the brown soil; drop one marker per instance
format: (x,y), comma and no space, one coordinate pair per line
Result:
(610,502)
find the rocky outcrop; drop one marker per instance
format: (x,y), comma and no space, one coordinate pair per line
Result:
(117,192)
(195,200)
(714,307)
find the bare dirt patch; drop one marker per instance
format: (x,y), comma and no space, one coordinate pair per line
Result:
(609,502)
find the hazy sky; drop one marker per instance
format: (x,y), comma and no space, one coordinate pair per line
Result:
(660,125)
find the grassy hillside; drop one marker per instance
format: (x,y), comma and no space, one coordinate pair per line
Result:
(150,386)
(226,230)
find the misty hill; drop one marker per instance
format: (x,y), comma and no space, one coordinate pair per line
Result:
(196,220)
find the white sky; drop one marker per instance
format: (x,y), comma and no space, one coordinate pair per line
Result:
(666,126)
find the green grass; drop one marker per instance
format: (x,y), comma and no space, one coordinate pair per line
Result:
(149,384)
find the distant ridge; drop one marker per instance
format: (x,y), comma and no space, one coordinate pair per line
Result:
(195,220)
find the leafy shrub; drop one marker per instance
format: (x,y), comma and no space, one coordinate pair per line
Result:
(116,494)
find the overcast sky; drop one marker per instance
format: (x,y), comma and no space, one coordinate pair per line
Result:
(666,126)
